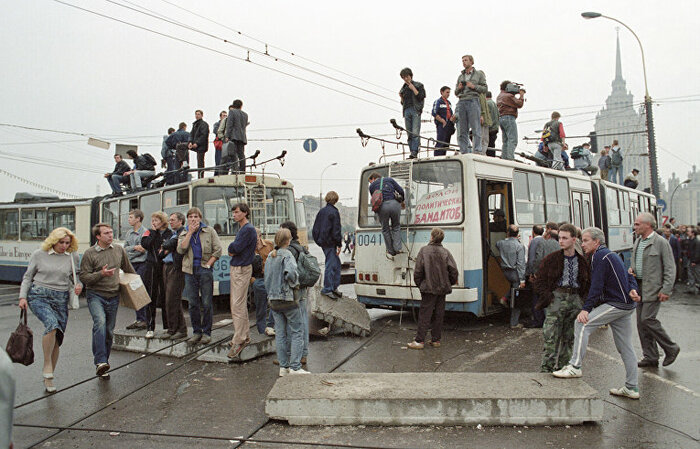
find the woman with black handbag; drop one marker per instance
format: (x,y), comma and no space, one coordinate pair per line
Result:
(46,287)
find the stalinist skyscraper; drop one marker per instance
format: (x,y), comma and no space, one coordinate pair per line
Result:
(619,120)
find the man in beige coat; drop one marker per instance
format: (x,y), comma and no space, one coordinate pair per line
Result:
(655,269)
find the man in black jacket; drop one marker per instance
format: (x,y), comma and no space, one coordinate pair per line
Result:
(199,139)
(115,178)
(236,124)
(143,168)
(174,280)
(327,234)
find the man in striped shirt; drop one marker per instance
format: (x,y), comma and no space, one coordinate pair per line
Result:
(611,300)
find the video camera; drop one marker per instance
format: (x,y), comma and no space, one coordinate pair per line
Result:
(514,88)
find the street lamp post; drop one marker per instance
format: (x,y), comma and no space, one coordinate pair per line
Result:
(651,137)
(320,194)
(687,181)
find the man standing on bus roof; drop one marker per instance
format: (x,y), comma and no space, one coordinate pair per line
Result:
(508,105)
(561,282)
(236,125)
(470,83)
(99,272)
(137,257)
(389,211)
(199,139)
(611,300)
(201,247)
(444,121)
(412,96)
(115,178)
(328,235)
(513,264)
(242,253)
(556,142)
(493,129)
(655,270)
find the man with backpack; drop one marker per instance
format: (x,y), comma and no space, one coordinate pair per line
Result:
(616,163)
(553,137)
(144,167)
(583,159)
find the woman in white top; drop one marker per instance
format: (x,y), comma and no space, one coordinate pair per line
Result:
(46,288)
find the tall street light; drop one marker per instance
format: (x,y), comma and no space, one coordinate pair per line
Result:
(687,181)
(320,194)
(647,106)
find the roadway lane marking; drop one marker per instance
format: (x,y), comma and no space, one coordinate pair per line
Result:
(647,373)
(505,344)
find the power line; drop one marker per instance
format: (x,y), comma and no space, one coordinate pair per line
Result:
(36,184)
(213,50)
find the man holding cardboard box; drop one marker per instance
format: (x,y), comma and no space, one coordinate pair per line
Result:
(99,273)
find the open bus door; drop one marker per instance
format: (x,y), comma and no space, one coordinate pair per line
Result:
(496,215)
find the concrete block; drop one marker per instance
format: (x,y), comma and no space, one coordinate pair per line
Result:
(533,399)
(136,341)
(344,313)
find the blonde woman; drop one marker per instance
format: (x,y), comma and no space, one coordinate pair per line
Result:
(46,288)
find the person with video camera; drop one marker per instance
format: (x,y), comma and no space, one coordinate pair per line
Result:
(508,105)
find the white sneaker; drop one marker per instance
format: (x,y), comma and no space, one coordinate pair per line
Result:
(284,372)
(568,372)
(298,371)
(269,331)
(149,334)
(626,392)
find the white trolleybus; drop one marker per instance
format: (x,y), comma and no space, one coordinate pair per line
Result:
(460,194)
(26,222)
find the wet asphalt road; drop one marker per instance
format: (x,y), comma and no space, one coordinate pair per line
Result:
(169,402)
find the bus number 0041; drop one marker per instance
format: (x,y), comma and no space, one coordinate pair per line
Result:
(369,239)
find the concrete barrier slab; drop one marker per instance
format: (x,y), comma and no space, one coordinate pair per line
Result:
(344,313)
(136,341)
(533,399)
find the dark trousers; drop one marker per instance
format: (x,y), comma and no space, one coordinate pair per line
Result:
(431,314)
(444,134)
(263,317)
(153,280)
(200,163)
(651,333)
(174,280)
(492,152)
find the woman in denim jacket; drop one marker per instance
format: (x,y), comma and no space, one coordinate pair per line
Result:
(281,281)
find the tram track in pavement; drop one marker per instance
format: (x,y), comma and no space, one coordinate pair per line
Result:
(193,355)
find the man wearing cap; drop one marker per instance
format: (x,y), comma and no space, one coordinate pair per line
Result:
(583,159)
(631,180)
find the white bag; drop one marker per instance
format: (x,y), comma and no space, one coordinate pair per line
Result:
(74,302)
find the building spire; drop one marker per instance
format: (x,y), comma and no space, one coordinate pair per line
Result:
(618,61)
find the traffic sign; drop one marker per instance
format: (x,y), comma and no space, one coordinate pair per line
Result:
(310,145)
(662,204)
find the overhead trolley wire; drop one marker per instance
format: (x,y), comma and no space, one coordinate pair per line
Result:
(223,53)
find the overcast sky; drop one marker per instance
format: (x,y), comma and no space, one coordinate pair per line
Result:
(69,70)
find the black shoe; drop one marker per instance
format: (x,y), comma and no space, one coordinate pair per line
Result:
(132,325)
(412,156)
(337,293)
(330,295)
(671,357)
(140,325)
(533,326)
(648,363)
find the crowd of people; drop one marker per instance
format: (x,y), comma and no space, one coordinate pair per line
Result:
(229,151)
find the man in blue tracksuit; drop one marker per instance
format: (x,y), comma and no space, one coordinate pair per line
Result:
(444,120)
(327,234)
(611,300)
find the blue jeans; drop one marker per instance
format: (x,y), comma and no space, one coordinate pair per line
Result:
(412,118)
(557,160)
(104,317)
(304,321)
(114,182)
(469,116)
(138,175)
(614,172)
(199,291)
(331,274)
(289,337)
(263,317)
(140,269)
(510,136)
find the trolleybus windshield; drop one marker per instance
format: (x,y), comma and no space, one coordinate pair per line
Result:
(434,194)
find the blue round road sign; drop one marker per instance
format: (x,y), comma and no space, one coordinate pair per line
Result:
(310,145)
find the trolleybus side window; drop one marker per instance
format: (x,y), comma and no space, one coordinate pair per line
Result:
(613,207)
(9,224)
(176,201)
(557,193)
(125,206)
(149,204)
(63,216)
(301,215)
(110,215)
(625,209)
(529,198)
(33,226)
(586,223)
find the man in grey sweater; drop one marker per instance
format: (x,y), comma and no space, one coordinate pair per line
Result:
(513,263)
(99,271)
(137,257)
(470,84)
